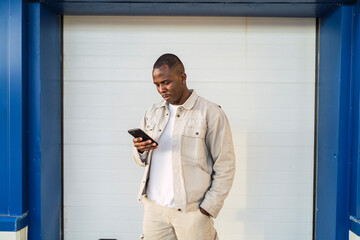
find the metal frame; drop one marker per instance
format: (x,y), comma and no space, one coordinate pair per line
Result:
(31,104)
(13,115)
(355,123)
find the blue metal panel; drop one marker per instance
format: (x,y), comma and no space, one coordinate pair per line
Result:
(328,126)
(13,89)
(252,9)
(34,230)
(344,164)
(44,121)
(355,164)
(355,225)
(355,181)
(50,119)
(4,109)
(332,219)
(15,117)
(206,1)
(13,223)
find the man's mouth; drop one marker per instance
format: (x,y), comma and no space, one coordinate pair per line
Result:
(166,97)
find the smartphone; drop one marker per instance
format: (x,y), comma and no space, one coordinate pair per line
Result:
(137,132)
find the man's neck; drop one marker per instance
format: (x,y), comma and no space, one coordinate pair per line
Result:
(185,97)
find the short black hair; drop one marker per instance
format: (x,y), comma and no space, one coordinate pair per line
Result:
(172,61)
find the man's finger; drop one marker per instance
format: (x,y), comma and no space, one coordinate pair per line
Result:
(144,143)
(146,147)
(139,139)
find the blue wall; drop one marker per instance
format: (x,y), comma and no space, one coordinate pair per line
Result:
(355,89)
(30,171)
(355,183)
(13,115)
(334,144)
(50,123)
(34,123)
(338,202)
(45,123)
(4,108)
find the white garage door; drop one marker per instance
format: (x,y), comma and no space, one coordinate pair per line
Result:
(262,73)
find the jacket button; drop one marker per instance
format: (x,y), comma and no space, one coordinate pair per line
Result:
(179,209)
(159,130)
(178,115)
(197,133)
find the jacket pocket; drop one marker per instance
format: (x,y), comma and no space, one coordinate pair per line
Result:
(197,182)
(193,145)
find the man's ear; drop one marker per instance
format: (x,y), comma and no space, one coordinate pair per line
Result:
(183,77)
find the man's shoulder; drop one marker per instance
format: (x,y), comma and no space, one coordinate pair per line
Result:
(204,103)
(155,107)
(211,111)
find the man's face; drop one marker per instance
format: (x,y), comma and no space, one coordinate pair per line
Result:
(170,84)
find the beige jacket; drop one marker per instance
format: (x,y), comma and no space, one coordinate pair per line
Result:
(203,153)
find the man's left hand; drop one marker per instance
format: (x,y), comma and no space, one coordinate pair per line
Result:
(203,211)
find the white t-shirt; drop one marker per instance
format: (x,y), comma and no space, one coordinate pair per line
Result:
(160,189)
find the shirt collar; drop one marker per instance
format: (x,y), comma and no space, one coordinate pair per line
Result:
(189,103)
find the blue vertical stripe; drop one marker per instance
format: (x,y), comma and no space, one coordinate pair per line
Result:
(34,171)
(16,55)
(4,108)
(355,166)
(333,181)
(50,119)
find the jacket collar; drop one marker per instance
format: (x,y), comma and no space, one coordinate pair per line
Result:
(188,104)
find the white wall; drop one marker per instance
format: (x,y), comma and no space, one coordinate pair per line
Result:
(260,70)
(353,236)
(19,235)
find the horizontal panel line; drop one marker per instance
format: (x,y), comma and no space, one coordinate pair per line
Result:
(106,233)
(235,145)
(213,56)
(203,2)
(301,132)
(197,82)
(256,171)
(247,221)
(130,144)
(223,234)
(259,69)
(248,106)
(109,17)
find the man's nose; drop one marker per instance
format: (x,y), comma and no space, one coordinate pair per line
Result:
(162,88)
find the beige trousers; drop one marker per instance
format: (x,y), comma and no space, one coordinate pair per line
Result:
(162,223)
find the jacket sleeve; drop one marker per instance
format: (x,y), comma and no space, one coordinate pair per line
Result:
(141,158)
(220,145)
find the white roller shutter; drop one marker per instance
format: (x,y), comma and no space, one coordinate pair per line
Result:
(260,70)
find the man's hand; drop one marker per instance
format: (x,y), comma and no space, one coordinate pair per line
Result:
(203,211)
(143,146)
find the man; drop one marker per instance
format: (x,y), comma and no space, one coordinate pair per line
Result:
(189,174)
